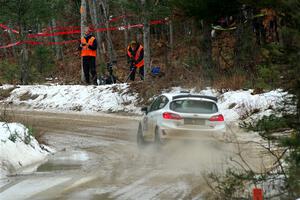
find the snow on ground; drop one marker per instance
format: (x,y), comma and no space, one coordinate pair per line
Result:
(117,98)
(105,98)
(19,150)
(241,104)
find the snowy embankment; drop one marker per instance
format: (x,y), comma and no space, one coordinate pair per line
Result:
(19,150)
(243,104)
(234,105)
(106,98)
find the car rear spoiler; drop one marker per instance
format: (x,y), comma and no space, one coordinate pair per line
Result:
(195,96)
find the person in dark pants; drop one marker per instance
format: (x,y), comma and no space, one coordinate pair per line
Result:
(88,47)
(135,56)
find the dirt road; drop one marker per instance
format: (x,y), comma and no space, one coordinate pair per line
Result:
(97,158)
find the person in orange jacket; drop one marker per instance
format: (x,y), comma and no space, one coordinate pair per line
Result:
(88,47)
(135,57)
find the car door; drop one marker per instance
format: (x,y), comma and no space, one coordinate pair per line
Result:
(151,117)
(158,113)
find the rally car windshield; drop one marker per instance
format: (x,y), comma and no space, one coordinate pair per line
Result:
(194,106)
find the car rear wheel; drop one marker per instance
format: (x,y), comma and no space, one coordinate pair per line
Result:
(140,137)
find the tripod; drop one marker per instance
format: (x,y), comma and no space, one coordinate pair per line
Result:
(133,69)
(110,78)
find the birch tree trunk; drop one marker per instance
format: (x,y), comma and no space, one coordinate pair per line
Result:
(146,38)
(83,24)
(207,45)
(23,58)
(95,21)
(111,51)
(4,49)
(24,64)
(58,49)
(125,23)
(171,43)
(13,39)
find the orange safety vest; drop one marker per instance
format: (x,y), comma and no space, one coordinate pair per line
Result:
(85,50)
(136,57)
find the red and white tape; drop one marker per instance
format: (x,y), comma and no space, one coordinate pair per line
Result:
(10,45)
(7,28)
(154,22)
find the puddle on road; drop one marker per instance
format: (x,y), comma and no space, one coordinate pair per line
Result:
(62,161)
(50,166)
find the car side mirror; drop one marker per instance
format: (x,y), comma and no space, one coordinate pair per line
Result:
(144,109)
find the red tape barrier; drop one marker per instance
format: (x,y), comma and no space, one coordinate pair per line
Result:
(154,22)
(7,28)
(68,28)
(63,28)
(38,43)
(49,43)
(10,45)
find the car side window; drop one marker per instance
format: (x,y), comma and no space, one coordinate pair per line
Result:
(155,104)
(163,102)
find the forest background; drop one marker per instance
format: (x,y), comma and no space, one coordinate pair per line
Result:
(221,44)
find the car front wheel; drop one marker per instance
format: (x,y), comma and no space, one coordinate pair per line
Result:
(140,137)
(157,140)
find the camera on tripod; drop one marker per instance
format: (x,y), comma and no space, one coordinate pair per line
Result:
(109,77)
(109,67)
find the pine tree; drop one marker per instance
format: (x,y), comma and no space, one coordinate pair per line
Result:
(283,60)
(25,14)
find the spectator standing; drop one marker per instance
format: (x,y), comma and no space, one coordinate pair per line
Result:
(88,47)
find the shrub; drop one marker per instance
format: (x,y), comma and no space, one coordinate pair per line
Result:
(13,137)
(9,72)
(28,134)
(268,76)
(4,93)
(42,63)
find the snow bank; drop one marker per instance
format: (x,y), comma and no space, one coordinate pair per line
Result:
(235,105)
(19,151)
(106,98)
(241,104)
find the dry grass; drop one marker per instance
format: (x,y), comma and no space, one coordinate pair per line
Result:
(26,96)
(173,78)
(4,93)
(8,115)
(233,82)
(5,114)
(38,134)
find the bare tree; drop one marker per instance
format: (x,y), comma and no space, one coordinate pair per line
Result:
(24,59)
(4,50)
(146,37)
(13,39)
(83,24)
(105,11)
(95,21)
(171,42)
(58,49)
(125,23)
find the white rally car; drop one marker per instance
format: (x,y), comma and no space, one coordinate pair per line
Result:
(180,116)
